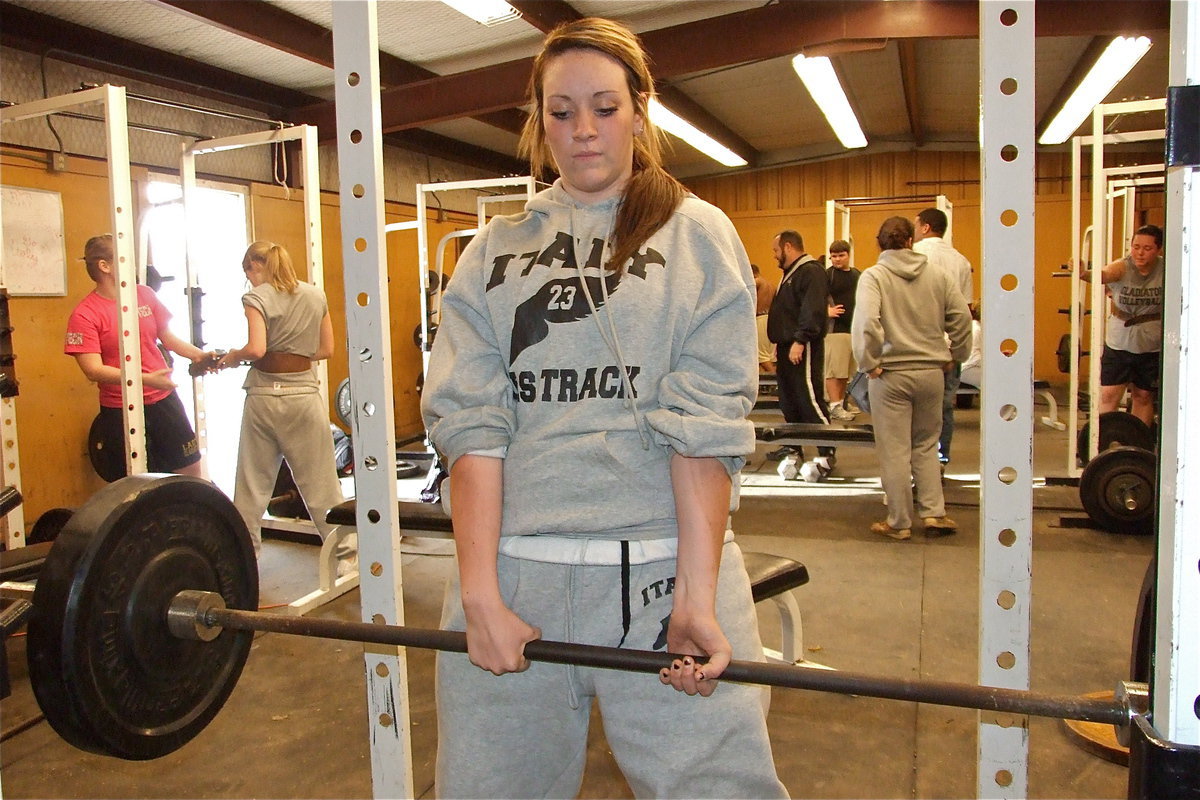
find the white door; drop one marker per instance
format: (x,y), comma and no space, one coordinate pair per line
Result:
(223,214)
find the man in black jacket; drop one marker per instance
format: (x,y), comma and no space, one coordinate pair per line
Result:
(796,325)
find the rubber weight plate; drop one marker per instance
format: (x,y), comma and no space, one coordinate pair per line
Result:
(107,673)
(1118,490)
(343,405)
(108,462)
(1117,429)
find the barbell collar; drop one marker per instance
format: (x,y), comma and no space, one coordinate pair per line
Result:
(963,695)
(188,614)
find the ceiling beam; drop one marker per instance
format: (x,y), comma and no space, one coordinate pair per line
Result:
(447,149)
(65,41)
(545,15)
(1083,65)
(277,28)
(907,49)
(773,31)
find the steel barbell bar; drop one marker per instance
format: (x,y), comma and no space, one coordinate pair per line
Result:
(144,610)
(193,612)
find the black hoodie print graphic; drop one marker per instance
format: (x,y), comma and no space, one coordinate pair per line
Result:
(557,301)
(562,300)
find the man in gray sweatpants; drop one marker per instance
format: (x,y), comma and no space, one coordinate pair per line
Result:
(905,308)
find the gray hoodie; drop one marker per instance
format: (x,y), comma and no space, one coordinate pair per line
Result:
(589,384)
(904,309)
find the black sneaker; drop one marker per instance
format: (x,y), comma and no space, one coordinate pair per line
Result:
(781,453)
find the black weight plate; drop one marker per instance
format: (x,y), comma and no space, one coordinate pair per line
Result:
(1115,476)
(48,525)
(109,462)
(106,671)
(1117,429)
(343,404)
(1141,656)
(407,469)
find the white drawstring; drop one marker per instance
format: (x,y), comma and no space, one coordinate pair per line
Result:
(614,344)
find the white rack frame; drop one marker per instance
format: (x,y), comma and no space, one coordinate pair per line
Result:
(1006,40)
(120,190)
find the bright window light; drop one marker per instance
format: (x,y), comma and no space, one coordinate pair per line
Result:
(676,125)
(1113,65)
(485,12)
(826,90)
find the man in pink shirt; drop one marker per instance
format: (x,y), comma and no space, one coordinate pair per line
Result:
(92,338)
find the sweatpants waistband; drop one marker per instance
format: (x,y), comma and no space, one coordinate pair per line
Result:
(591,552)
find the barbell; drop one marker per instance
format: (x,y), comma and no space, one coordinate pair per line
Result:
(144,611)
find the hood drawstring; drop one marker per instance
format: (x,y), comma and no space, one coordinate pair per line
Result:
(625,611)
(614,344)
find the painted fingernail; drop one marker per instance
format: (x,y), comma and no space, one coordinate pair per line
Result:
(687,662)
(699,676)
(675,665)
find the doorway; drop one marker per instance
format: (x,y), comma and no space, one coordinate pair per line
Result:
(221,221)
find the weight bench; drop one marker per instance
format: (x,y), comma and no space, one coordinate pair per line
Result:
(422,520)
(773,578)
(1042,388)
(23,563)
(811,433)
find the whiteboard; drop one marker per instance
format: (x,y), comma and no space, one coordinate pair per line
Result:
(33,260)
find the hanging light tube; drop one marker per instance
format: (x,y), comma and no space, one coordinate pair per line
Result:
(1114,64)
(676,125)
(827,92)
(485,12)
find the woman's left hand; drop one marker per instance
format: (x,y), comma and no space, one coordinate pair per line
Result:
(696,634)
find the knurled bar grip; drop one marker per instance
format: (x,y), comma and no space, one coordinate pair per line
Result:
(964,695)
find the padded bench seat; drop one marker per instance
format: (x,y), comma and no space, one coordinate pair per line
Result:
(812,433)
(23,563)
(413,517)
(771,575)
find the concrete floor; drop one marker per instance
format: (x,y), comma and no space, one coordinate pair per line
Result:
(296,725)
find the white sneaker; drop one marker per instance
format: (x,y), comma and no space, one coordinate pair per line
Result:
(347,566)
(840,413)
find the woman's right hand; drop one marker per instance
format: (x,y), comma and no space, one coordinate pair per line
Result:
(496,639)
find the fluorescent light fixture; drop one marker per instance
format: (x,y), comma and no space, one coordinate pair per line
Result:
(676,125)
(485,12)
(826,90)
(1113,65)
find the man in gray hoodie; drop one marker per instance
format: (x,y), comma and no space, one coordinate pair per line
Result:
(904,309)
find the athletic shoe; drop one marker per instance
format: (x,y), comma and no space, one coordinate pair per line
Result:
(939,526)
(781,453)
(883,529)
(840,413)
(827,463)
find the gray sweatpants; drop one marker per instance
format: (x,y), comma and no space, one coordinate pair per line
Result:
(906,410)
(524,735)
(293,426)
